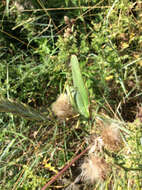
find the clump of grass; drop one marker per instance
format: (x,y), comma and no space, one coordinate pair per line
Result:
(35,50)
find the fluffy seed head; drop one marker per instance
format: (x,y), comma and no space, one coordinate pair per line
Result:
(94,169)
(67,20)
(62,107)
(111,138)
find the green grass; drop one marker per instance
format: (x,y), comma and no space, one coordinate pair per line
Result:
(106,37)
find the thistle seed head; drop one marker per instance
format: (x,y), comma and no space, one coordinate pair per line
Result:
(66,20)
(62,107)
(112,138)
(94,169)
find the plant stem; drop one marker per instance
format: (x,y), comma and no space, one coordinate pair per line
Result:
(64,169)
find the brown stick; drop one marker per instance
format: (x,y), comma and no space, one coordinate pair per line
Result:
(64,169)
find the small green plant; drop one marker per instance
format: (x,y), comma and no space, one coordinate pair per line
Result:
(81,97)
(81,60)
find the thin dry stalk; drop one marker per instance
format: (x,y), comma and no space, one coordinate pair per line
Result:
(54,178)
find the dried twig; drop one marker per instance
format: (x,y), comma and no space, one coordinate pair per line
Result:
(54,178)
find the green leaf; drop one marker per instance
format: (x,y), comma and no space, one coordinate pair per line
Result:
(81,97)
(7,7)
(21,110)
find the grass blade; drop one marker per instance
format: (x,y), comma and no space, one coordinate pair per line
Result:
(20,110)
